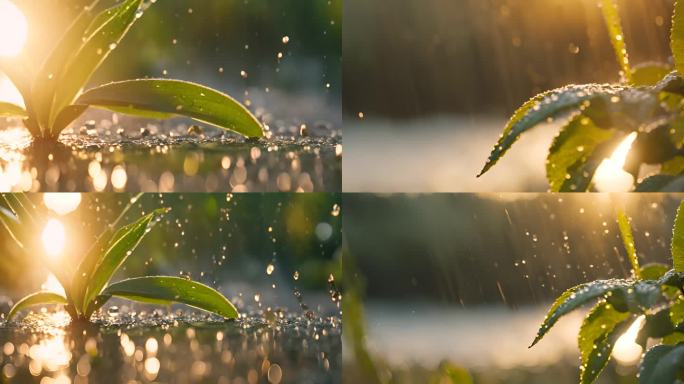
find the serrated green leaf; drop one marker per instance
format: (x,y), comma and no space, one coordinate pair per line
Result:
(649,74)
(571,149)
(628,241)
(649,362)
(92,54)
(611,16)
(175,97)
(677,312)
(157,289)
(11,110)
(123,243)
(38,298)
(677,36)
(574,298)
(597,336)
(678,240)
(549,105)
(662,364)
(655,326)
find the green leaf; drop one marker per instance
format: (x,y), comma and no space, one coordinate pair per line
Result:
(611,16)
(655,326)
(655,183)
(571,150)
(650,361)
(38,298)
(91,55)
(46,80)
(662,364)
(677,312)
(654,271)
(628,241)
(174,97)
(597,336)
(678,240)
(80,279)
(157,289)
(575,297)
(649,74)
(9,109)
(549,105)
(18,75)
(67,116)
(677,36)
(123,243)
(12,226)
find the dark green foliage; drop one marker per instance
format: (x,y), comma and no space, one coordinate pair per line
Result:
(652,292)
(595,117)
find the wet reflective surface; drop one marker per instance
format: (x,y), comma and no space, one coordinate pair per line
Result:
(155,346)
(172,157)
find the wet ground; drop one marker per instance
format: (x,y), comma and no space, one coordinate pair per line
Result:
(180,347)
(122,154)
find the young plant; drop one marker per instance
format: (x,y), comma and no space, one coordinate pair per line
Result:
(89,287)
(54,99)
(652,292)
(597,117)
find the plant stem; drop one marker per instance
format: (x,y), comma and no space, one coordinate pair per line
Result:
(611,16)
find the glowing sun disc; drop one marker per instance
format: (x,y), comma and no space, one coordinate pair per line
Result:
(13,29)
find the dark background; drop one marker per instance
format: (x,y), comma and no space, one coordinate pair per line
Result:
(420,58)
(512,249)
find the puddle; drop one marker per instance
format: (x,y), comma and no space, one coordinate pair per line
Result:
(172,157)
(158,346)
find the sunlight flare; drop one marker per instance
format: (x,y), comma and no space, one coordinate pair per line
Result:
(62,203)
(54,238)
(626,350)
(610,177)
(53,285)
(13,29)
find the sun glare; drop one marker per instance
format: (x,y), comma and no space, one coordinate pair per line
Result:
(54,238)
(626,350)
(610,177)
(13,29)
(62,203)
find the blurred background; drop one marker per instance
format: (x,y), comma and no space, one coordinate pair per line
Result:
(258,249)
(429,85)
(467,278)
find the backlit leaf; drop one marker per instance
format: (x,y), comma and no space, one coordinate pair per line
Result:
(678,240)
(174,97)
(38,298)
(161,289)
(597,336)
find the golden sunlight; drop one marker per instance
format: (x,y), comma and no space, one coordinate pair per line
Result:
(53,285)
(13,29)
(626,350)
(610,177)
(62,203)
(54,238)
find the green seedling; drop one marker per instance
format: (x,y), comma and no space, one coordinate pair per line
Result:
(54,96)
(596,118)
(89,287)
(652,291)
